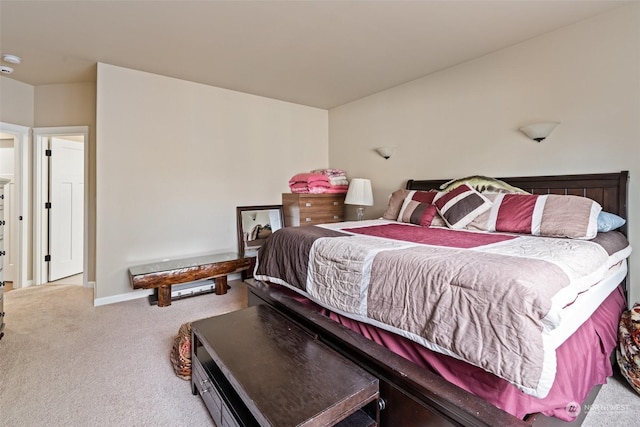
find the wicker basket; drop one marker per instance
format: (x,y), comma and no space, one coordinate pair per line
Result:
(181,352)
(629,348)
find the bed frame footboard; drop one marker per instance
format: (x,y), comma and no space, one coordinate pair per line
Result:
(411,396)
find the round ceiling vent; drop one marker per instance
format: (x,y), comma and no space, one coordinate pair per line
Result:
(5,70)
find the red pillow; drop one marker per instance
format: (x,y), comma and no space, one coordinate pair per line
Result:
(417,208)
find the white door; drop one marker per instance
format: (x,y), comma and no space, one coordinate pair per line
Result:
(66,220)
(10,229)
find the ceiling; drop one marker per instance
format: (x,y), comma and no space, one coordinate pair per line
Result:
(317,53)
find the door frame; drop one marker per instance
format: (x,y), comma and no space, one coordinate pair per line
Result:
(41,191)
(21,137)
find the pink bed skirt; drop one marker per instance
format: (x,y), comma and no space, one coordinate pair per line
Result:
(583,362)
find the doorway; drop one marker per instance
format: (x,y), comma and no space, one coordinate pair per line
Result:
(59,204)
(14,155)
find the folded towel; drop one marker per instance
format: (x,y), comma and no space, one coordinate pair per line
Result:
(338,180)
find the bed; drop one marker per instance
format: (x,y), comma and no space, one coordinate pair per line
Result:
(452,317)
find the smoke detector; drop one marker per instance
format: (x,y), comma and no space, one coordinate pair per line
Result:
(10,58)
(5,70)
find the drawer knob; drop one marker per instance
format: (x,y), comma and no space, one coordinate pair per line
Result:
(308,219)
(336,217)
(382,404)
(308,204)
(335,203)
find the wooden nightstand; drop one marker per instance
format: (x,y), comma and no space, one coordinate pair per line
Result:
(311,209)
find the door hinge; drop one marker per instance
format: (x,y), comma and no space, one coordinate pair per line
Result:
(47,205)
(47,153)
(47,258)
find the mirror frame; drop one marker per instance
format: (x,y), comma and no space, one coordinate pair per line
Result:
(240,210)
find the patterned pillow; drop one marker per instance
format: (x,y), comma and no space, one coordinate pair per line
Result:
(417,208)
(481,222)
(482,184)
(461,205)
(550,215)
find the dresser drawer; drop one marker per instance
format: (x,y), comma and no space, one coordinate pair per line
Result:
(312,209)
(312,218)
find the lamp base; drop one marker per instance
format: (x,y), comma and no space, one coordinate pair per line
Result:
(360,213)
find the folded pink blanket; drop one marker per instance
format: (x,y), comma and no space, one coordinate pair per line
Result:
(318,183)
(308,177)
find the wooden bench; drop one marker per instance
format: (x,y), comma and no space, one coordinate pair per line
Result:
(255,367)
(161,275)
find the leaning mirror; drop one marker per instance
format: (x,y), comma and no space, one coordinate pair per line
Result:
(255,225)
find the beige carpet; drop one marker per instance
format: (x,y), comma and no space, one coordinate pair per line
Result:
(66,363)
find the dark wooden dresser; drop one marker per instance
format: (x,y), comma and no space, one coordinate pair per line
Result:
(310,209)
(255,367)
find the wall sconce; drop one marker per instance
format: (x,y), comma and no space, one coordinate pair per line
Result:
(386,152)
(360,194)
(539,131)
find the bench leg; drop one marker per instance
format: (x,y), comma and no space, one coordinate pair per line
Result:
(164,296)
(221,285)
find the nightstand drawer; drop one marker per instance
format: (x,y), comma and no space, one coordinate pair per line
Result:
(312,209)
(315,218)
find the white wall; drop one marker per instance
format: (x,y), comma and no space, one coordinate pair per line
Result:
(16,102)
(465,120)
(175,158)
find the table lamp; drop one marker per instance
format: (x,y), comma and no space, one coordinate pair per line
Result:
(359,194)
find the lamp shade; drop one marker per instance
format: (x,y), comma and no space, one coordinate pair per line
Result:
(386,152)
(359,192)
(539,131)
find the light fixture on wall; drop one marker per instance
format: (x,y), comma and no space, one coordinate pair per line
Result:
(386,152)
(539,131)
(359,194)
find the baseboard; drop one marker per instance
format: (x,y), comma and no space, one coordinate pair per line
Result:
(122,297)
(90,285)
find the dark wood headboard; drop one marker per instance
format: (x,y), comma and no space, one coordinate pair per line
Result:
(608,189)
